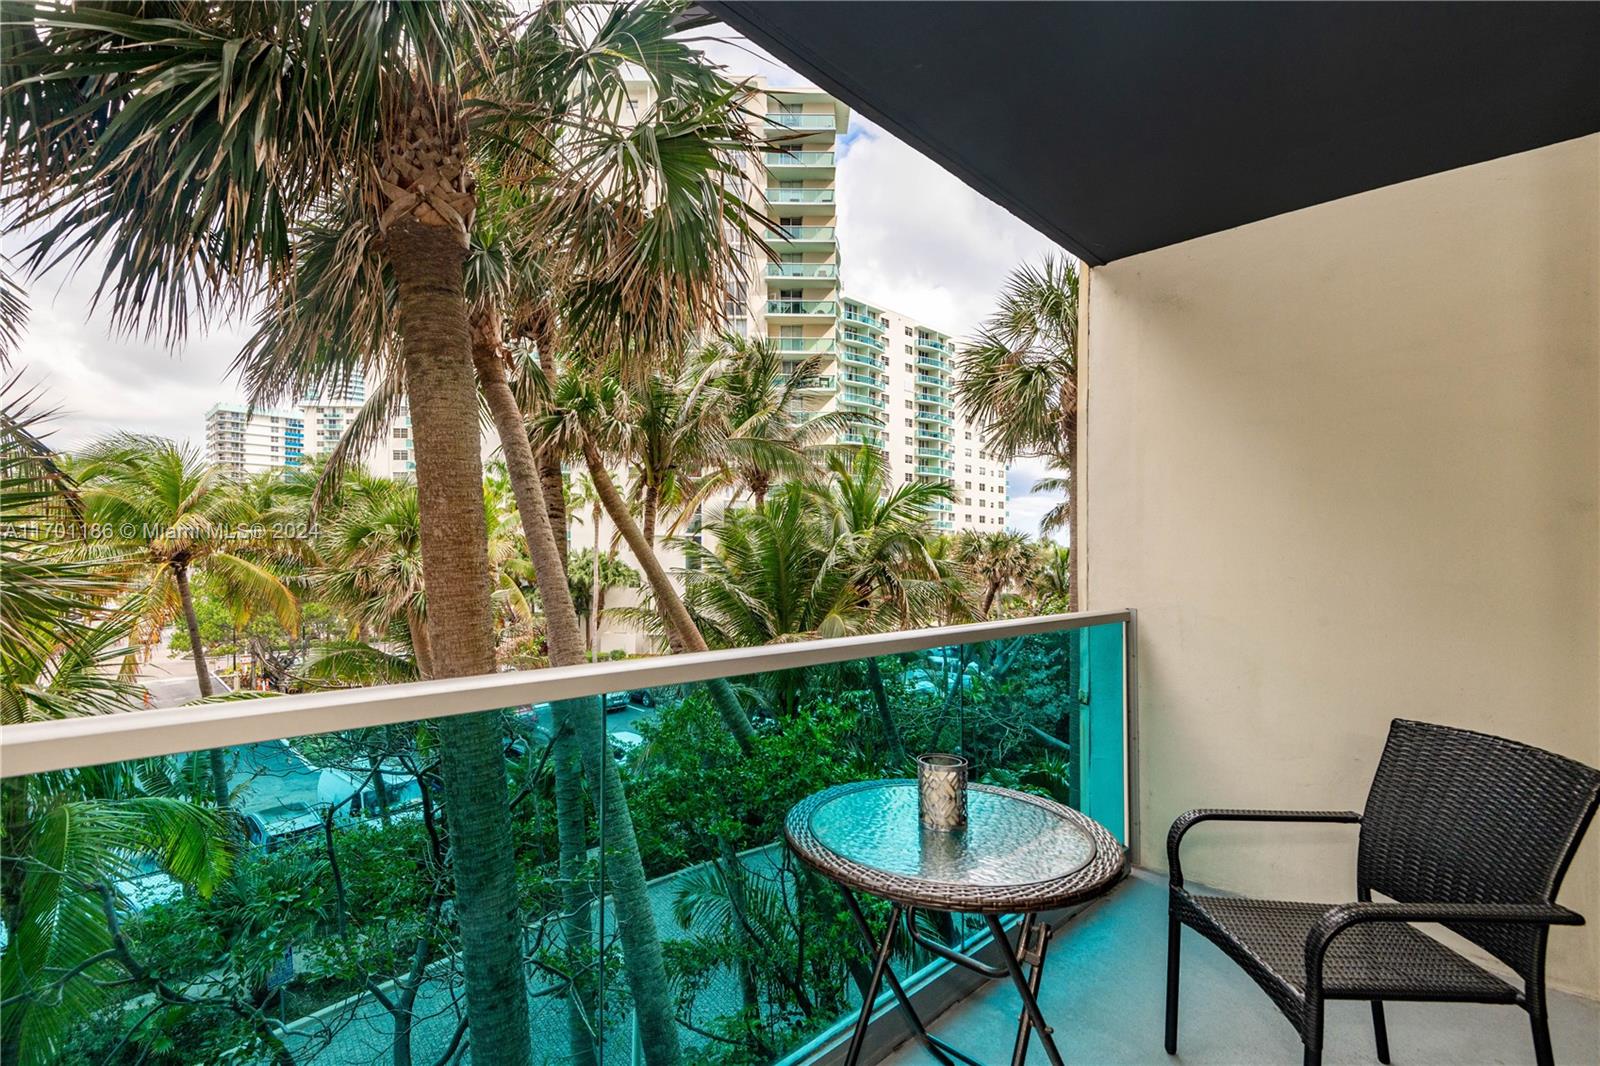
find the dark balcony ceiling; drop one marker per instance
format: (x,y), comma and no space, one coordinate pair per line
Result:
(1118,128)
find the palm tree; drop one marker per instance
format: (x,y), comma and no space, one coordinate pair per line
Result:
(200,140)
(64,651)
(172,515)
(1050,583)
(1019,375)
(766,437)
(999,559)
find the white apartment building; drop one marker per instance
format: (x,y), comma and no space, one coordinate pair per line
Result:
(328,414)
(250,441)
(893,374)
(912,380)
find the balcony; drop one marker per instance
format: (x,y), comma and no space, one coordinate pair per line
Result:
(802,236)
(801,271)
(800,164)
(870,440)
(802,309)
(934,453)
(856,398)
(304,797)
(784,121)
(932,344)
(932,362)
(864,379)
(872,322)
(933,417)
(825,383)
(856,357)
(852,337)
(776,195)
(938,399)
(804,345)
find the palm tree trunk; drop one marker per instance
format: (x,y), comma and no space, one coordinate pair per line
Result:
(880,698)
(421,646)
(551,477)
(682,633)
(202,674)
(427,262)
(647,513)
(578,725)
(594,591)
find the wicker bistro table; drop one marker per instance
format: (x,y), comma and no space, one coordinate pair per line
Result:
(1019,854)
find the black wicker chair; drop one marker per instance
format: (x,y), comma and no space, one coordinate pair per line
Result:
(1461,829)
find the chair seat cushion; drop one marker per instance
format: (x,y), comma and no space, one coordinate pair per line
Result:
(1387,960)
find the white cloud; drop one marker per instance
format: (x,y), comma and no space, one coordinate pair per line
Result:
(912,236)
(100,380)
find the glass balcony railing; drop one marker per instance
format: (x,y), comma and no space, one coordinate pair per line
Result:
(853,337)
(934,453)
(934,469)
(801,122)
(869,440)
(856,357)
(802,307)
(932,344)
(864,379)
(798,159)
(799,196)
(327,902)
(934,380)
(801,235)
(932,361)
(870,321)
(815,383)
(929,416)
(926,432)
(802,270)
(938,399)
(805,345)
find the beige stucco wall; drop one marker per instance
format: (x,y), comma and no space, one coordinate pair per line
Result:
(1345,462)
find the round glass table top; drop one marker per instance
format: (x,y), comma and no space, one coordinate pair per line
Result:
(1010,838)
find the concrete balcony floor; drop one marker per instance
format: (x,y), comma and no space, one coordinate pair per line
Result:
(1104,992)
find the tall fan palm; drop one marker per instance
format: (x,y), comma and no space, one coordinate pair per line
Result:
(1000,560)
(767,437)
(170,515)
(1019,375)
(188,146)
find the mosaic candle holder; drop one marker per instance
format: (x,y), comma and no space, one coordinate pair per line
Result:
(942,791)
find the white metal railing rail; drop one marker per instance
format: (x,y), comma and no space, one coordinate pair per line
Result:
(91,740)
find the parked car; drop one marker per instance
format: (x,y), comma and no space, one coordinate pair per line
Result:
(622,701)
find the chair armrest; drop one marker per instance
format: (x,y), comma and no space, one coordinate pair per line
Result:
(1189,819)
(1342,917)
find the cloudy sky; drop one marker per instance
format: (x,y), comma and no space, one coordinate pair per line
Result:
(912,238)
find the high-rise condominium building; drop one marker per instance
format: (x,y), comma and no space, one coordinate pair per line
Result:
(250,441)
(329,413)
(894,375)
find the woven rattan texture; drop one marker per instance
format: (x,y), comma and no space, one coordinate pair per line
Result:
(1389,960)
(1461,817)
(1107,867)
